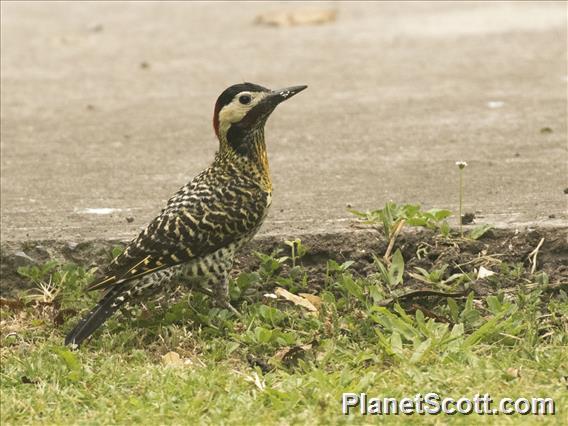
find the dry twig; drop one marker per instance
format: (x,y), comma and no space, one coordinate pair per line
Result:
(533,254)
(392,239)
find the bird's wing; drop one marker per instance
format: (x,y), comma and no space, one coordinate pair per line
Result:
(196,222)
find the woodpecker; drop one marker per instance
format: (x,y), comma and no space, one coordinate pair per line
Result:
(206,222)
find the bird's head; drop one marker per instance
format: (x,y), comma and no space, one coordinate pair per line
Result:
(242,110)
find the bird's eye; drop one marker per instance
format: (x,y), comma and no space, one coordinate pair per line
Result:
(244,99)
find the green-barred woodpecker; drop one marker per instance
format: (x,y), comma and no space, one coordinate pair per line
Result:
(206,222)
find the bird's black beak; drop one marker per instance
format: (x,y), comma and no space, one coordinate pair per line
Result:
(277,96)
(265,107)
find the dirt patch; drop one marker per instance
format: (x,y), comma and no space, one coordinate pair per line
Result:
(497,250)
(500,251)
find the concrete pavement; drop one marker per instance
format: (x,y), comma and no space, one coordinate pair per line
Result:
(108,106)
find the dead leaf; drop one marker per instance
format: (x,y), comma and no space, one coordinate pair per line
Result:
(484,273)
(296,300)
(290,354)
(172,359)
(297,17)
(314,299)
(257,381)
(254,378)
(514,373)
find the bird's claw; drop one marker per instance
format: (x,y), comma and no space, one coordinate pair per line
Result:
(227,305)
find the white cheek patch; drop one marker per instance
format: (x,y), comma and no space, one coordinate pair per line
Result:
(232,113)
(235,111)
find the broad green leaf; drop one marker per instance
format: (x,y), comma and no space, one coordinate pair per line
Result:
(71,362)
(420,350)
(454,311)
(262,334)
(397,268)
(478,232)
(493,304)
(352,287)
(490,327)
(440,214)
(470,316)
(445,229)
(396,343)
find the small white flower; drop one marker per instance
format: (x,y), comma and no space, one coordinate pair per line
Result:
(461,164)
(270,296)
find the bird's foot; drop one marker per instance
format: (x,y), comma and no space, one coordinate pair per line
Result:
(194,284)
(222,302)
(227,305)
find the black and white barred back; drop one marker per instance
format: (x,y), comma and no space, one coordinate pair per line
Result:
(196,235)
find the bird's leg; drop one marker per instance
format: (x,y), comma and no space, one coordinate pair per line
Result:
(194,284)
(221,293)
(214,284)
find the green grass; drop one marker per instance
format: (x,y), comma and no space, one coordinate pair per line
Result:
(281,363)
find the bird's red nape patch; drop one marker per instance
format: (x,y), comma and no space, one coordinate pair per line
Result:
(218,107)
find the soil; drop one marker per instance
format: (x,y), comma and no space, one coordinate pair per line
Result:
(496,247)
(461,254)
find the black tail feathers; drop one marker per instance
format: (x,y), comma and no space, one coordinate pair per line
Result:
(107,306)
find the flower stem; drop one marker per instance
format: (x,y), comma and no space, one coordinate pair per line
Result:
(461,201)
